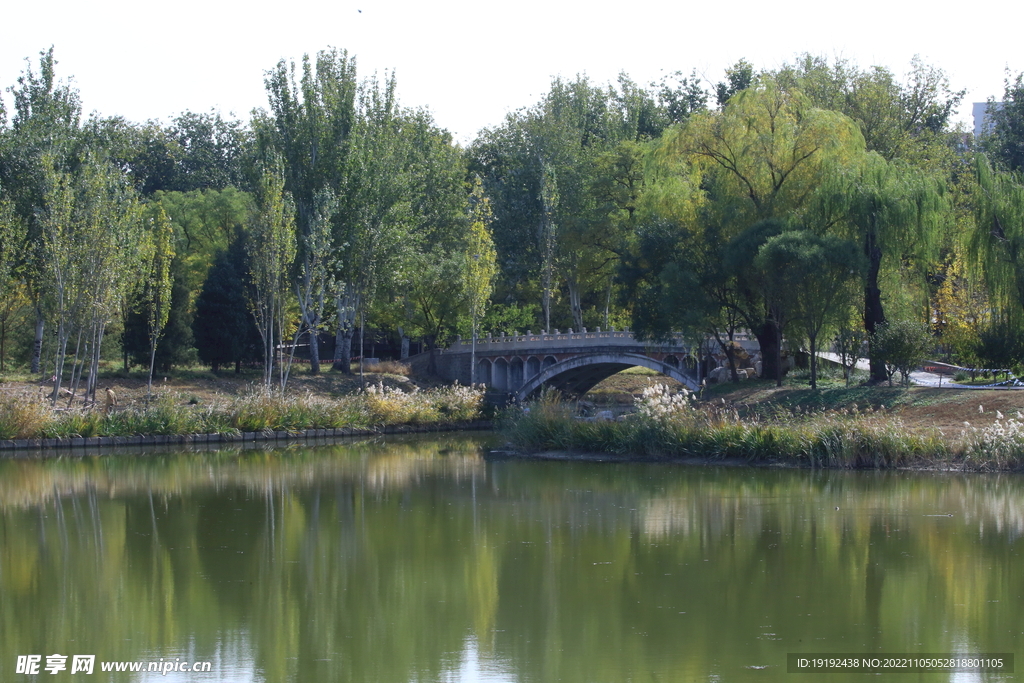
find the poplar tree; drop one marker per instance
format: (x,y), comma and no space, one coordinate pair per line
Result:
(12,241)
(271,252)
(156,287)
(481,263)
(89,251)
(42,138)
(310,126)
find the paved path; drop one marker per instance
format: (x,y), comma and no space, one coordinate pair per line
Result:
(922,378)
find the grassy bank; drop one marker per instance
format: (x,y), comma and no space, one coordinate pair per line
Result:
(174,413)
(667,424)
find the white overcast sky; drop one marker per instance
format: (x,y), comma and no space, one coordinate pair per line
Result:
(472,62)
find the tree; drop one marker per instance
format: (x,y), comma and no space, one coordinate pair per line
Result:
(43,137)
(481,265)
(680,96)
(848,344)
(271,253)
(550,193)
(906,120)
(156,287)
(90,232)
(894,211)
(808,280)
(12,241)
(1005,143)
(962,310)
(738,78)
(997,243)
(902,345)
(1000,345)
(765,156)
(311,126)
(376,219)
(223,327)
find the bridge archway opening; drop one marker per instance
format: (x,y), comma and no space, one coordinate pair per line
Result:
(515,373)
(532,366)
(483,372)
(577,375)
(499,375)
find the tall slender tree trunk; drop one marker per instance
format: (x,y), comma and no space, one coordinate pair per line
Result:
(813,340)
(37,343)
(343,351)
(574,303)
(778,355)
(607,303)
(149,380)
(404,352)
(362,352)
(874,314)
(472,353)
(314,350)
(346,306)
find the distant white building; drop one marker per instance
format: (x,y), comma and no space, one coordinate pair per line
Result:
(982,119)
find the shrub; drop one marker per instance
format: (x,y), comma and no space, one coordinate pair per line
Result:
(902,345)
(22,420)
(390,367)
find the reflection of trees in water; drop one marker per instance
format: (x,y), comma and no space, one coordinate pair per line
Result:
(369,564)
(394,463)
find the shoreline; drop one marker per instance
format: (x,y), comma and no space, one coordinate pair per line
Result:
(17,448)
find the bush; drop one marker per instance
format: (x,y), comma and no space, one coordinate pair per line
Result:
(21,419)
(902,345)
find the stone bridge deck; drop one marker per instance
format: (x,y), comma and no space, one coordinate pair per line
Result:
(572,362)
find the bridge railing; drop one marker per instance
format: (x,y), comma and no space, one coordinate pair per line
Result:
(582,338)
(569,338)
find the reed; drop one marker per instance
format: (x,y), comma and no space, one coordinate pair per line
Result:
(667,425)
(174,414)
(22,419)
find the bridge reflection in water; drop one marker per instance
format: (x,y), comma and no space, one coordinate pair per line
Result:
(572,362)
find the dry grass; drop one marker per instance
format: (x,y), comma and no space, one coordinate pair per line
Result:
(198,402)
(782,429)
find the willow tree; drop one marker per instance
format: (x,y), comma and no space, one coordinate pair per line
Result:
(271,252)
(481,263)
(895,212)
(997,243)
(765,156)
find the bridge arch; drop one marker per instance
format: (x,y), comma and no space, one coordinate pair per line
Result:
(499,375)
(483,372)
(579,374)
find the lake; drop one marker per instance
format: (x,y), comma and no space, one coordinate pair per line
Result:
(428,559)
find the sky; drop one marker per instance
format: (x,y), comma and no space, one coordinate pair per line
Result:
(471,63)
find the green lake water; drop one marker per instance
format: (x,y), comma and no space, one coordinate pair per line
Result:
(425,559)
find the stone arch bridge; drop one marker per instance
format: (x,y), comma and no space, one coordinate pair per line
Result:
(571,362)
